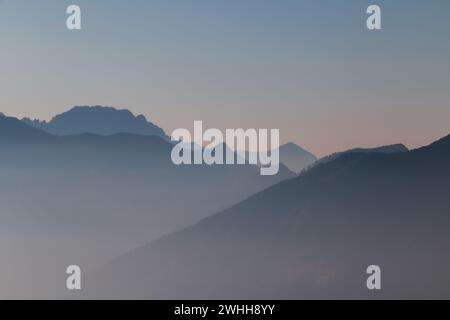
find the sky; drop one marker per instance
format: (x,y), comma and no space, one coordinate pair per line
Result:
(309,68)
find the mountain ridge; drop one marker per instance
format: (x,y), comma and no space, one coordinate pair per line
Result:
(386,149)
(311,236)
(98,120)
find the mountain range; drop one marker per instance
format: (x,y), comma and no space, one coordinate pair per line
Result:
(312,236)
(100,195)
(100,120)
(94,182)
(141,159)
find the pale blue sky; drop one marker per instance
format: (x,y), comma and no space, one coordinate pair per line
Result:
(309,68)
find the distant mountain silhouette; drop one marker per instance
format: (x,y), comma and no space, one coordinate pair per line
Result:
(312,236)
(394,148)
(97,120)
(13,132)
(29,148)
(90,197)
(295,157)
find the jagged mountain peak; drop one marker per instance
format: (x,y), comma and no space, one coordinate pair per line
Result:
(97,120)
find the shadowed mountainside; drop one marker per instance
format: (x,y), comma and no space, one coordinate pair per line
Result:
(312,236)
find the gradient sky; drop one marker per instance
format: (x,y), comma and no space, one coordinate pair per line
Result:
(310,68)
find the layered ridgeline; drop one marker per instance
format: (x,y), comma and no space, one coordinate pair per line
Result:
(108,121)
(85,198)
(312,236)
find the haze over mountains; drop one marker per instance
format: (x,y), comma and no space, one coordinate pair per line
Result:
(90,197)
(84,188)
(312,236)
